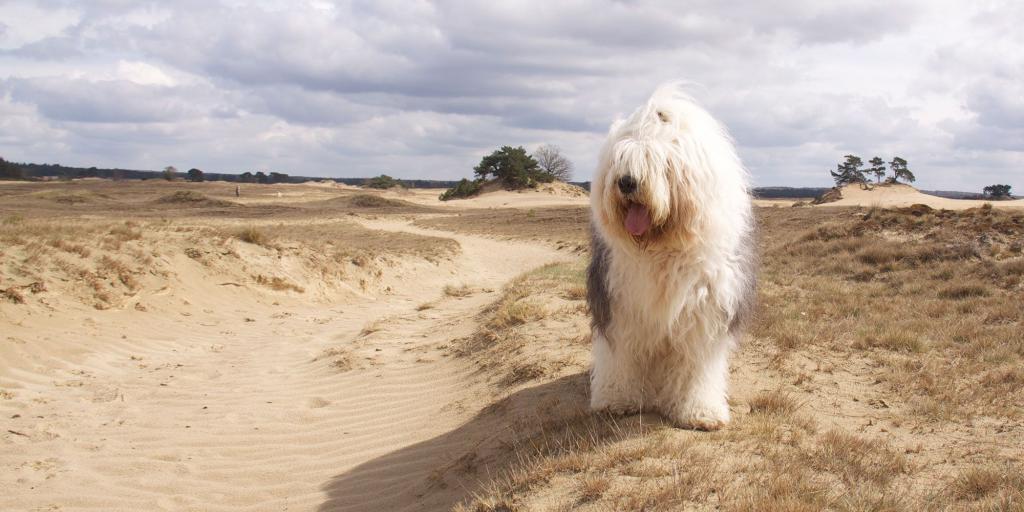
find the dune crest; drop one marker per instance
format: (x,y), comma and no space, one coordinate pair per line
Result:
(899,196)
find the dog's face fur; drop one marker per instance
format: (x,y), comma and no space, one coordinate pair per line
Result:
(654,177)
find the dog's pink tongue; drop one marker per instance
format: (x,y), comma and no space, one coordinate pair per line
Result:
(638,219)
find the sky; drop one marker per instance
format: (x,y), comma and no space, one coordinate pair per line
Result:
(426,89)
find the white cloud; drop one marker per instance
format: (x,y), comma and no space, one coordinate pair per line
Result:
(424,89)
(143,73)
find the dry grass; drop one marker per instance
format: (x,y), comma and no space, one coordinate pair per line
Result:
(348,242)
(924,296)
(776,403)
(515,312)
(191,198)
(564,227)
(999,485)
(513,344)
(341,359)
(462,290)
(278,283)
(372,201)
(915,313)
(252,235)
(372,327)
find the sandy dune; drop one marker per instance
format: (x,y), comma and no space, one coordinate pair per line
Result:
(222,402)
(553,194)
(896,196)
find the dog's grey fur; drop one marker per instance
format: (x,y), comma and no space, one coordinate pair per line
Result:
(597,283)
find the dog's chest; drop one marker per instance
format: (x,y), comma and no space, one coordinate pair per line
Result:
(661,299)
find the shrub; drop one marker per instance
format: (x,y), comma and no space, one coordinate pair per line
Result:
(382,182)
(463,189)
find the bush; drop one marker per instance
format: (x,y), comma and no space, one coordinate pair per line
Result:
(463,189)
(382,182)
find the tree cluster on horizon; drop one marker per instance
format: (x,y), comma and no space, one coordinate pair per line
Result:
(262,177)
(382,182)
(10,171)
(515,169)
(997,192)
(851,171)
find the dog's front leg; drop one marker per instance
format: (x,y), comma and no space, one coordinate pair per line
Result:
(615,385)
(698,399)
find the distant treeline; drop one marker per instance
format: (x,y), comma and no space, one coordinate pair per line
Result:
(52,171)
(57,171)
(64,172)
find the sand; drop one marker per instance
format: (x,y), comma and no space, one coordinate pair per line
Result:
(545,195)
(218,400)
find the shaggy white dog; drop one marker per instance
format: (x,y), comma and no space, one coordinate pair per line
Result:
(672,274)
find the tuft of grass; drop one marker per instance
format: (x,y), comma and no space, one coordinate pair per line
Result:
(774,403)
(126,232)
(516,313)
(107,265)
(522,373)
(894,338)
(70,247)
(458,291)
(575,292)
(372,327)
(858,459)
(252,235)
(963,291)
(591,487)
(13,294)
(979,482)
(340,359)
(278,283)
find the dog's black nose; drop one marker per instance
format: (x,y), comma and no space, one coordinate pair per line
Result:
(627,184)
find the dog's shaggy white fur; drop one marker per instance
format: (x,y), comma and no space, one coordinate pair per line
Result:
(672,273)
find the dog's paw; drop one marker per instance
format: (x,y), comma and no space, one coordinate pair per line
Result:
(618,409)
(620,404)
(701,417)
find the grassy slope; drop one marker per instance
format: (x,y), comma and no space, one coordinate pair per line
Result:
(883,373)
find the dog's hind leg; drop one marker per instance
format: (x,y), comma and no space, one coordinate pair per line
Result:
(697,397)
(615,385)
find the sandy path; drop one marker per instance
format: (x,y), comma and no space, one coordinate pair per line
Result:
(228,408)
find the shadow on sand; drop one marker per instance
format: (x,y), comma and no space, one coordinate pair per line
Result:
(438,473)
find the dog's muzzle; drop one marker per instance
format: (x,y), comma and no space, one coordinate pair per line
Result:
(627,185)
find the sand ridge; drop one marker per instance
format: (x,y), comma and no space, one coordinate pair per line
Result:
(898,196)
